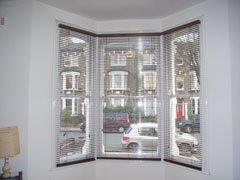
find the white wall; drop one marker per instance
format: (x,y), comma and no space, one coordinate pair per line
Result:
(35,78)
(14,74)
(234,29)
(41,120)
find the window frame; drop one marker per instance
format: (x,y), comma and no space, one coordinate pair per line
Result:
(123,76)
(118,57)
(74,80)
(154,82)
(203,98)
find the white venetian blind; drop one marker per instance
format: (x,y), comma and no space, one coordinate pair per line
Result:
(75,135)
(181,93)
(128,121)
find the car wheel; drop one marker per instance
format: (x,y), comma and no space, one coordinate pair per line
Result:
(121,129)
(188,129)
(133,146)
(184,147)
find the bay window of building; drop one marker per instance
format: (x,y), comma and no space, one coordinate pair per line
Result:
(143,86)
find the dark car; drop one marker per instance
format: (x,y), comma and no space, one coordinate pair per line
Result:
(189,126)
(113,122)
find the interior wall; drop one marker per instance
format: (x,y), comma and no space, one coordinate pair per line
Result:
(43,52)
(14,74)
(234,29)
(31,82)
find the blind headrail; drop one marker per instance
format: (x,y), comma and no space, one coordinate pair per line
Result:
(130,34)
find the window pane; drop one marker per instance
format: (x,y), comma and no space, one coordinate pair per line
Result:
(129,106)
(182,127)
(74,123)
(118,120)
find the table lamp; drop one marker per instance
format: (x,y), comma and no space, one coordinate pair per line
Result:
(9,147)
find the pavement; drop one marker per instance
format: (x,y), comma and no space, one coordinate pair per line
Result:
(70,129)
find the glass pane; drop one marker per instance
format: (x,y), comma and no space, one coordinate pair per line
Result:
(72,136)
(183,141)
(123,126)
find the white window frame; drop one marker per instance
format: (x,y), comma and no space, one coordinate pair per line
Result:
(114,104)
(64,99)
(120,58)
(194,81)
(112,81)
(146,107)
(74,80)
(145,80)
(179,79)
(70,58)
(148,59)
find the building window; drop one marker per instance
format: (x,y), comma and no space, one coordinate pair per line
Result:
(70,80)
(117,102)
(118,59)
(133,114)
(71,60)
(150,107)
(194,81)
(118,80)
(180,83)
(182,45)
(179,60)
(149,80)
(149,59)
(71,105)
(75,111)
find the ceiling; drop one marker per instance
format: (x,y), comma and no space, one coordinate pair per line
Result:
(102,10)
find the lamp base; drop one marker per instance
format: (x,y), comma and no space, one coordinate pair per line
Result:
(6,169)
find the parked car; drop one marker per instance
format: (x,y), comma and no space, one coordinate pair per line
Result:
(189,126)
(112,122)
(144,136)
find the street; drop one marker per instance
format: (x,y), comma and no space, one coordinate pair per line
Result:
(112,141)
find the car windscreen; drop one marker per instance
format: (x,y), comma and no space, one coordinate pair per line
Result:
(128,130)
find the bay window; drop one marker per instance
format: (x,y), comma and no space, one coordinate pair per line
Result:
(141,95)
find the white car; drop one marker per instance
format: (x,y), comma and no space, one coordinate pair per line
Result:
(145,136)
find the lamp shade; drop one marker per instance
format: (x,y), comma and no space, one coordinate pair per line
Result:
(9,142)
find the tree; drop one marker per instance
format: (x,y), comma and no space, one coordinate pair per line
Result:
(187,47)
(121,109)
(65,116)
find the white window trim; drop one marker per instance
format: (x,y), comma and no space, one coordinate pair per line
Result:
(114,102)
(70,58)
(73,104)
(145,106)
(73,74)
(151,57)
(119,60)
(122,73)
(145,81)
(193,78)
(178,79)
